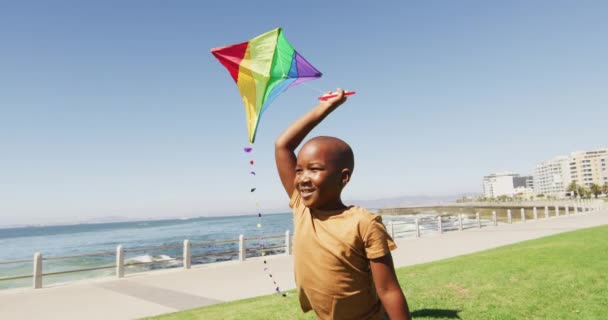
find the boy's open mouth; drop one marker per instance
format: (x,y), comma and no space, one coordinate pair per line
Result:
(306,193)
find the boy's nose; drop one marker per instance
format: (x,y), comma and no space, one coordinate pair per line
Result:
(304,177)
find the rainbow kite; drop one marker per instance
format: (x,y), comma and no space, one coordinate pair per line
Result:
(263,68)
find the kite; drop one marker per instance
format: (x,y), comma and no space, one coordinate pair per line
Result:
(263,68)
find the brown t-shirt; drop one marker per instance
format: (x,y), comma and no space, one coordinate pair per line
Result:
(331,260)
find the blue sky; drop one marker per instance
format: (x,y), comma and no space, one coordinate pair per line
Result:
(118,109)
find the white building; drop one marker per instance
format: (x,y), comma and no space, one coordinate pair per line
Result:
(587,167)
(552,177)
(499,184)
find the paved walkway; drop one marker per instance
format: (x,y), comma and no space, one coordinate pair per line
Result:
(165,291)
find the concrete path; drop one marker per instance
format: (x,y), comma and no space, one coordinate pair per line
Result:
(165,291)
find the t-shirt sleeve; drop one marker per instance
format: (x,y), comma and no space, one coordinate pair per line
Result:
(378,242)
(295,200)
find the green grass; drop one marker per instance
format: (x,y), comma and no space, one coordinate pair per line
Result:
(558,277)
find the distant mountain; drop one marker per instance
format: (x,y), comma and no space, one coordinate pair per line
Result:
(393,202)
(405,201)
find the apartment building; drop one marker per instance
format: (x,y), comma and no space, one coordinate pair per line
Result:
(589,167)
(499,184)
(552,177)
(523,182)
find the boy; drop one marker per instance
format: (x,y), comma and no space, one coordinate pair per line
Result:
(342,261)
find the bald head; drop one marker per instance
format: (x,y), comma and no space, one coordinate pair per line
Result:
(336,150)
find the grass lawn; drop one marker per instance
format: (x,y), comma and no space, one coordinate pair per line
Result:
(558,277)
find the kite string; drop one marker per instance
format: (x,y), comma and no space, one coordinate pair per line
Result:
(313,87)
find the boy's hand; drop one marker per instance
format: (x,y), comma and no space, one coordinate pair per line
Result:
(288,141)
(334,102)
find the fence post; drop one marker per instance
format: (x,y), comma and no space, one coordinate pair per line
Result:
(187,254)
(546,212)
(439,226)
(37,270)
(391,230)
(417,228)
(535,213)
(509,217)
(287,243)
(494,218)
(478,220)
(557,211)
(460,221)
(241,248)
(523,215)
(120,261)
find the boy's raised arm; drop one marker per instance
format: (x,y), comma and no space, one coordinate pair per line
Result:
(290,139)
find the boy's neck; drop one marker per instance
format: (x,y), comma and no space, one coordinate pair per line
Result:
(330,207)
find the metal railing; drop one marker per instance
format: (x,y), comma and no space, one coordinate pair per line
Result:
(186,258)
(417,227)
(444,222)
(586,203)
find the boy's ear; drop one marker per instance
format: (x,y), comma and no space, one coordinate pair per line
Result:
(345,176)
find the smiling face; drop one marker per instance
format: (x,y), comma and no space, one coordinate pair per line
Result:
(323,169)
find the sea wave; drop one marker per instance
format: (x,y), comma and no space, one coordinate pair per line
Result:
(152,262)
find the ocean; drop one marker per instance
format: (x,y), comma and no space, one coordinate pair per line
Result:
(76,240)
(71,240)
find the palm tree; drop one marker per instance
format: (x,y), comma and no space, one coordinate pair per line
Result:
(595,189)
(573,188)
(503,198)
(583,192)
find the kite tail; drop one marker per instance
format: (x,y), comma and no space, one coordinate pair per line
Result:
(260,225)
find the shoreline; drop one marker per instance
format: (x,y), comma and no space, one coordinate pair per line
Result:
(164,291)
(399,224)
